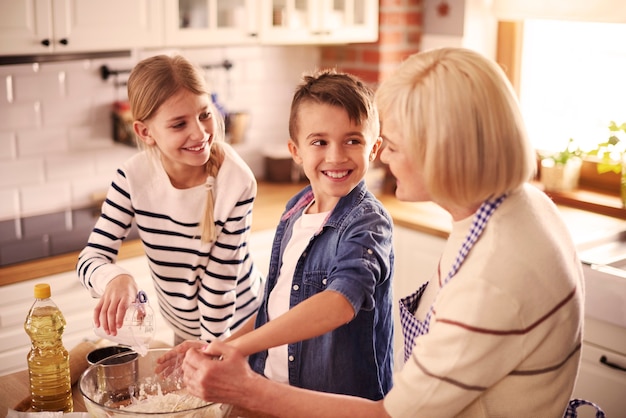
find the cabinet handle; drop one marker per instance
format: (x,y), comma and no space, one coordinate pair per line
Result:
(606,362)
(64,41)
(45,42)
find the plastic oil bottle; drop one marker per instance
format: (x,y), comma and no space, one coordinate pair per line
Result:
(48,360)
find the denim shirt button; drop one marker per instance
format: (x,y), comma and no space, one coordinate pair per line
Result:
(296,287)
(369,251)
(291,358)
(324,280)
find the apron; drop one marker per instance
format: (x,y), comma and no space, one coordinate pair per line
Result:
(412,327)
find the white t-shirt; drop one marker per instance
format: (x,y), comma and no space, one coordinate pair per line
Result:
(278,300)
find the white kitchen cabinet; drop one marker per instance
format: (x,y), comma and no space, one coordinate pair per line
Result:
(285,22)
(416,257)
(602,373)
(58,26)
(211,22)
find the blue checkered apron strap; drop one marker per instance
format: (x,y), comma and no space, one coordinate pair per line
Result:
(413,327)
(478,225)
(571,412)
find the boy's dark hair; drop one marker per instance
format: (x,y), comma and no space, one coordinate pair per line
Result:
(343,90)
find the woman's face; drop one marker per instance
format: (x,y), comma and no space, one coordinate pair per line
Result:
(395,153)
(182,128)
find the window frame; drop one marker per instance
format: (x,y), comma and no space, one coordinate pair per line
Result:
(596,192)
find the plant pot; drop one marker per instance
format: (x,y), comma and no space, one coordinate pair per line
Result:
(558,177)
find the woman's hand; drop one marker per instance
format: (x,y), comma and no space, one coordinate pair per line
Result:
(170,362)
(217,373)
(119,294)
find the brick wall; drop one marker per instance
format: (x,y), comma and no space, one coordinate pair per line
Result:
(400,33)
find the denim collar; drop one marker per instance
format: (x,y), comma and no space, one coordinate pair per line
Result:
(339,212)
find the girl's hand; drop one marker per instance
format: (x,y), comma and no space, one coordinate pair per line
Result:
(119,294)
(170,362)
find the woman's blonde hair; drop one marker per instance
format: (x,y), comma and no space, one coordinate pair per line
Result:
(153,81)
(461,121)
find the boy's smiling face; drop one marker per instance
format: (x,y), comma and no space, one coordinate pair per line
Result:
(334,152)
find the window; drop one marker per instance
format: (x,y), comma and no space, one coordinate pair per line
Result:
(572,81)
(568,76)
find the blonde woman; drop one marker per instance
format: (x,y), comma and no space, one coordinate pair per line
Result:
(191,197)
(496,332)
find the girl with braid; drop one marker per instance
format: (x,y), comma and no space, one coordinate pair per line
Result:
(191,197)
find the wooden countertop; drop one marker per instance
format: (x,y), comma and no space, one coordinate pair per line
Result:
(423,217)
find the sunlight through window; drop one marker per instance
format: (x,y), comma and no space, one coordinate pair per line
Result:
(573,81)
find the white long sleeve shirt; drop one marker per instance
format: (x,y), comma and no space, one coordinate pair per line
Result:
(205,290)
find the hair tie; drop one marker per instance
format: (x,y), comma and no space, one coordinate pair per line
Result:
(210,183)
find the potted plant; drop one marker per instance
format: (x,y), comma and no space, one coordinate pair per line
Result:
(560,171)
(611,155)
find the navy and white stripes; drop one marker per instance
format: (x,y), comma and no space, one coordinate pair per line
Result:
(205,290)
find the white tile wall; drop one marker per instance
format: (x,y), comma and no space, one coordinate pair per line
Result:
(55,135)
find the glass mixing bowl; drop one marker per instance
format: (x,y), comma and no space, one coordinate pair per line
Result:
(125,385)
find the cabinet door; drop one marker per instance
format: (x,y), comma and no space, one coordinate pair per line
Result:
(25,27)
(601,383)
(47,26)
(95,25)
(351,21)
(319,22)
(211,22)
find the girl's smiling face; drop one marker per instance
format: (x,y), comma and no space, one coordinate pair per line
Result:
(334,152)
(182,129)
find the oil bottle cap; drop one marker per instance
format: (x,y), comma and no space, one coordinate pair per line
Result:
(42,291)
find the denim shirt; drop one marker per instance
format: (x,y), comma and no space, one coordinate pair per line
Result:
(352,254)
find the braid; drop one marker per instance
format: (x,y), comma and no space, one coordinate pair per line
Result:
(207,223)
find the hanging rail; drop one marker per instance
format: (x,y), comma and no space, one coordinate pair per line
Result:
(106,72)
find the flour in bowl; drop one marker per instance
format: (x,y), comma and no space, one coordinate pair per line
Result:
(174,402)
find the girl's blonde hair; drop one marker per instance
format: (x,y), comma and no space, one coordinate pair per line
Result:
(153,81)
(461,121)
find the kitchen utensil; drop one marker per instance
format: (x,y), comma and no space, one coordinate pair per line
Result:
(104,352)
(138,328)
(146,390)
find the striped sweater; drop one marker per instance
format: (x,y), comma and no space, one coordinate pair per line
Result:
(506,332)
(205,290)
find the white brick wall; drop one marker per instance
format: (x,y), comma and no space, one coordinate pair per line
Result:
(55,135)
